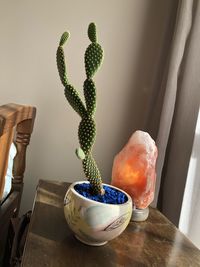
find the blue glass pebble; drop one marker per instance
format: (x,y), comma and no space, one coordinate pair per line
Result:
(111,196)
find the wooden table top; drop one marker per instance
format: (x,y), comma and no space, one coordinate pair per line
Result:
(155,242)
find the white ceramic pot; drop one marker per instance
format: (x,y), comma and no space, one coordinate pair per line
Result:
(92,222)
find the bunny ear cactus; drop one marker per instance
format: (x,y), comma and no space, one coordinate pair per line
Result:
(87,126)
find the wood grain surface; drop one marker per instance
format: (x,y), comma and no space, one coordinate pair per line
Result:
(156,242)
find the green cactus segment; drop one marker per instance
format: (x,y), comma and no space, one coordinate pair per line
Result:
(93,59)
(90,96)
(79,153)
(74,99)
(64,38)
(87,134)
(92,33)
(92,174)
(60,57)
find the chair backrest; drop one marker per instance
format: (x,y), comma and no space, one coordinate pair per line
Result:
(16,125)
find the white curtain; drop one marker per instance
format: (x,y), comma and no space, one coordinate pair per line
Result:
(171,83)
(180,101)
(189,222)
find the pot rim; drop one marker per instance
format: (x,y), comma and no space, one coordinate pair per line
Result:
(94,201)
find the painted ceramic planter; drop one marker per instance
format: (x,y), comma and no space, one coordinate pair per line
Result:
(92,222)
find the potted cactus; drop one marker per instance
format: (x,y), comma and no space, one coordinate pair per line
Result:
(95,212)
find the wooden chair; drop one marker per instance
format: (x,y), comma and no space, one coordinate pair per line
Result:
(16,125)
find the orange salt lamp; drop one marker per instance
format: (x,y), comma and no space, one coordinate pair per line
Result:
(134,172)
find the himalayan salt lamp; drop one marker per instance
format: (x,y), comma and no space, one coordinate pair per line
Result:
(134,171)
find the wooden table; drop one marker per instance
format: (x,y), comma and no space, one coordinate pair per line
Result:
(156,242)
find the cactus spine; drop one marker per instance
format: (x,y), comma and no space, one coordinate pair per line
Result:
(87,126)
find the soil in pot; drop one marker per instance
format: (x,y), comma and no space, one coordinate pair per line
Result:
(111,196)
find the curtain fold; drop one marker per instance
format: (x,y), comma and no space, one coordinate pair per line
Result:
(181,90)
(190,216)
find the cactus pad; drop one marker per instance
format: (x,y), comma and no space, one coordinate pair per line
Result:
(90,96)
(64,38)
(86,134)
(80,154)
(92,33)
(61,65)
(92,174)
(93,59)
(73,98)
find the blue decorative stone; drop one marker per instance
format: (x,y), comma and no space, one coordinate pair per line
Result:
(111,196)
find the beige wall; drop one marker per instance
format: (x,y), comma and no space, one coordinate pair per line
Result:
(135,35)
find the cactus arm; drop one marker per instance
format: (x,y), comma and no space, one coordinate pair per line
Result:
(93,60)
(61,65)
(87,127)
(87,134)
(74,99)
(71,93)
(93,54)
(60,58)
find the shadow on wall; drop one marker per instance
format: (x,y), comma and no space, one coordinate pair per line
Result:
(153,50)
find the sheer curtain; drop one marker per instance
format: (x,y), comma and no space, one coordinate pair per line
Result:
(180,93)
(190,214)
